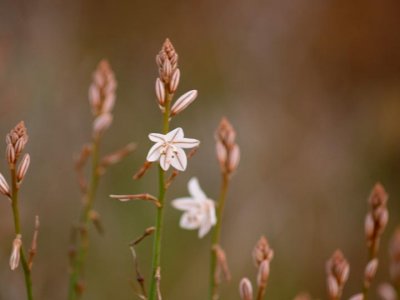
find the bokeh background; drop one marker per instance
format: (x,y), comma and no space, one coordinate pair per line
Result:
(312,88)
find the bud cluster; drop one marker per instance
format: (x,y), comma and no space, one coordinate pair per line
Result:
(168,80)
(377,218)
(102,96)
(16,141)
(337,270)
(228,152)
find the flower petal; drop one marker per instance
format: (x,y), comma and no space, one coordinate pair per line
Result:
(165,159)
(186,143)
(157,137)
(189,221)
(185,203)
(179,159)
(211,212)
(204,227)
(154,152)
(194,189)
(177,133)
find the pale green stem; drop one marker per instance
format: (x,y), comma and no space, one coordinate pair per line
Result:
(17,225)
(160,210)
(79,259)
(213,293)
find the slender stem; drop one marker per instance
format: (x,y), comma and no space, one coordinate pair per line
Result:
(17,225)
(260,293)
(216,236)
(79,259)
(160,210)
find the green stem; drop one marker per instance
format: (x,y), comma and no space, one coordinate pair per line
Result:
(160,211)
(17,225)
(79,259)
(216,236)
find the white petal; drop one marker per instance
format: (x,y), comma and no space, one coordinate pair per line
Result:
(165,159)
(211,212)
(185,203)
(179,159)
(189,221)
(174,134)
(194,189)
(157,137)
(154,152)
(186,143)
(204,227)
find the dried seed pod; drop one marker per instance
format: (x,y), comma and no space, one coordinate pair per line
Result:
(245,289)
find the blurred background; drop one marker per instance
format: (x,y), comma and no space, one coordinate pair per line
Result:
(312,88)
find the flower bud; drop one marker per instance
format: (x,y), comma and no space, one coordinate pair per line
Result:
(173,85)
(15,253)
(183,101)
(370,271)
(23,167)
(263,274)
(101,123)
(160,92)
(359,296)
(245,289)
(10,154)
(333,287)
(4,188)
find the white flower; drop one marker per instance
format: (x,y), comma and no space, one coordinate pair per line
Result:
(169,149)
(199,210)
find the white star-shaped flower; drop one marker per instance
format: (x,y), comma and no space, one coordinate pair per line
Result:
(199,210)
(169,147)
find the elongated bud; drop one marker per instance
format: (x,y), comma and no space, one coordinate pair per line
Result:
(245,289)
(160,92)
(10,153)
(263,274)
(234,158)
(23,167)
(166,71)
(370,271)
(108,103)
(333,287)
(101,123)
(369,226)
(183,101)
(357,297)
(4,188)
(14,258)
(144,196)
(94,216)
(173,85)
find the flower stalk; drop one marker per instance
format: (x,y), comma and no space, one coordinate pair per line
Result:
(228,155)
(16,141)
